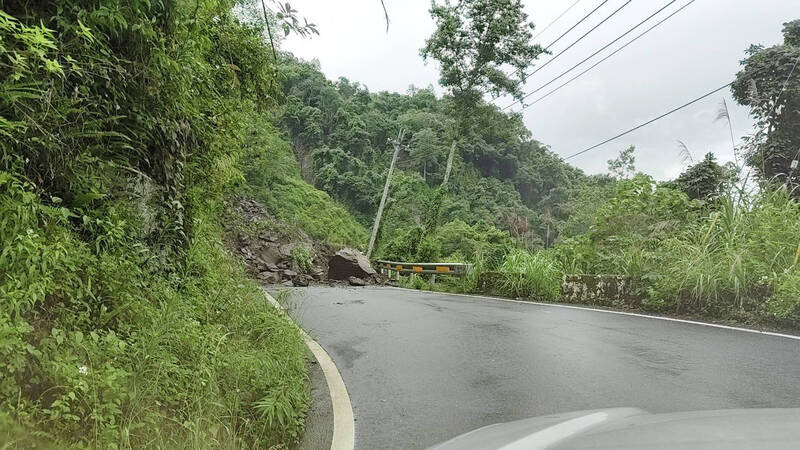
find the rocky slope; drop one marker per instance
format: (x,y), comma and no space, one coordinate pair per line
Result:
(277,253)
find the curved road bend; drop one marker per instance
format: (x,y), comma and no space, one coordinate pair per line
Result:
(423,367)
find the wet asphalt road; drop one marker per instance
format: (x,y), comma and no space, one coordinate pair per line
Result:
(423,367)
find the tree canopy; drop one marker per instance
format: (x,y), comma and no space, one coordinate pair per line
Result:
(476,42)
(339,132)
(707,179)
(769,83)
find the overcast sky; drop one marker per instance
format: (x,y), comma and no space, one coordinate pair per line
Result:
(697,50)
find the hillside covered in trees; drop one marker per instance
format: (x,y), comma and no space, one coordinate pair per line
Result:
(502,177)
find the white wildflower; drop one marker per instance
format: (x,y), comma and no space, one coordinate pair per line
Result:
(83,370)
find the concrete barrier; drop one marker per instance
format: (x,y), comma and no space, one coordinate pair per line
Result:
(606,290)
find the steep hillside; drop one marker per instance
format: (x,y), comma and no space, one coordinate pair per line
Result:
(272,177)
(123,320)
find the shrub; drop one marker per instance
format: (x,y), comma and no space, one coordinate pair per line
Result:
(404,246)
(453,241)
(302,256)
(98,350)
(416,282)
(429,250)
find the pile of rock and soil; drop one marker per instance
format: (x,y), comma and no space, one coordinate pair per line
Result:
(275,253)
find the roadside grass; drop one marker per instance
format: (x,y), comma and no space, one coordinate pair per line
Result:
(740,261)
(535,276)
(530,275)
(107,345)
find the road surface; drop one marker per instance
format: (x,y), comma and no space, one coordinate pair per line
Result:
(423,367)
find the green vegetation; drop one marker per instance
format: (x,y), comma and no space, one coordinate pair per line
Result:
(126,127)
(302,257)
(272,177)
(124,321)
(764,84)
(502,178)
(707,180)
(536,276)
(106,344)
(524,218)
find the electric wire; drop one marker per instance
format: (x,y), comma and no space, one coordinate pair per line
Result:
(576,41)
(649,121)
(630,30)
(556,19)
(640,35)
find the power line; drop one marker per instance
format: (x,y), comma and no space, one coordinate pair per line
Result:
(592,55)
(578,40)
(650,121)
(556,19)
(606,57)
(578,23)
(525,77)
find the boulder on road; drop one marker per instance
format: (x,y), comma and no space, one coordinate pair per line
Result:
(354,281)
(347,263)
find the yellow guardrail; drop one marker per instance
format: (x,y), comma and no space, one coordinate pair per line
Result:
(453,269)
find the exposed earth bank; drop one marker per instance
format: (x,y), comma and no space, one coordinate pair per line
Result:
(277,253)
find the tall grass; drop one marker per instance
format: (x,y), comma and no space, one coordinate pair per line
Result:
(530,275)
(736,260)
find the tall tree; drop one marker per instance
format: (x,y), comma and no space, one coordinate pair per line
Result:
(769,84)
(475,42)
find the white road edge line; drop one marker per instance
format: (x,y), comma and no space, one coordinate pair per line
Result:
(622,313)
(343,423)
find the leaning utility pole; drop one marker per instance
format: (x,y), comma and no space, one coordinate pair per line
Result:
(449,164)
(396,144)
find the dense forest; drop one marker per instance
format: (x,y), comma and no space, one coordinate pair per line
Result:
(129,129)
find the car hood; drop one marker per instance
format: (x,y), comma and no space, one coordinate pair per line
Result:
(629,428)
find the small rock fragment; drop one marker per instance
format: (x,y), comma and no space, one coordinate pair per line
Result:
(355,281)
